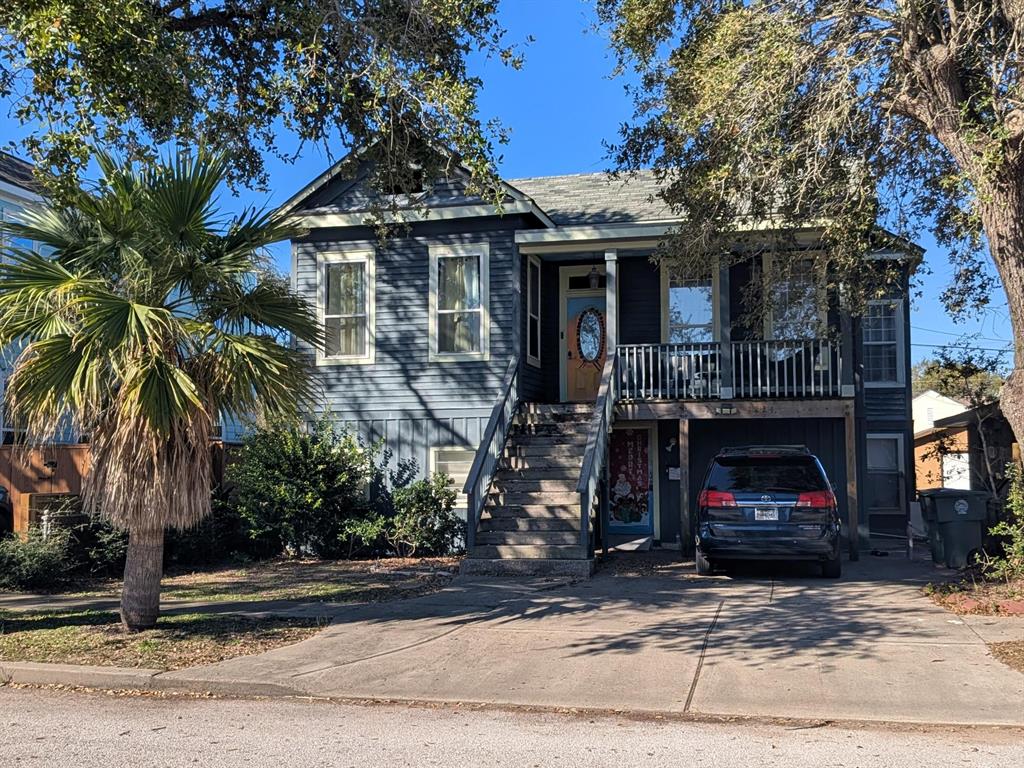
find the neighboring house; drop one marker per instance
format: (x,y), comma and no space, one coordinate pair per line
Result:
(448,332)
(967,450)
(930,406)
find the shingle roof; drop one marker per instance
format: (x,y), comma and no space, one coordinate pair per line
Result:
(596,198)
(18,172)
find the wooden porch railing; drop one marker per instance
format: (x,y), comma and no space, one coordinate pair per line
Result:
(772,369)
(669,371)
(595,460)
(491,447)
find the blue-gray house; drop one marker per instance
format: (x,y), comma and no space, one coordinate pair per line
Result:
(572,386)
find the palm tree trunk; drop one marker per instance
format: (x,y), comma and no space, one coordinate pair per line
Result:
(143,569)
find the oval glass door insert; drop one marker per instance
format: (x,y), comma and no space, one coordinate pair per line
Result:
(590,335)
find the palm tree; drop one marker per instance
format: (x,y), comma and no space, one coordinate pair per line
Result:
(148,318)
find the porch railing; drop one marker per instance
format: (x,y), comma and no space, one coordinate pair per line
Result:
(491,447)
(595,459)
(741,369)
(772,369)
(669,371)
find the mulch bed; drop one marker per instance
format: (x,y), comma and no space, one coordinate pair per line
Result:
(982,598)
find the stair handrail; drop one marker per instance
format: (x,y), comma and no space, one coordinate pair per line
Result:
(596,455)
(491,446)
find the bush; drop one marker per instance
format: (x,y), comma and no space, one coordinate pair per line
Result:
(295,490)
(35,562)
(1009,565)
(425,523)
(220,537)
(97,548)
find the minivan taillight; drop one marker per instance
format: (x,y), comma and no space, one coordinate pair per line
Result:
(716,499)
(816,500)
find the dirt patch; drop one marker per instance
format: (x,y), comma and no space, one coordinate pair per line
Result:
(656,562)
(179,641)
(325,581)
(977,597)
(1010,652)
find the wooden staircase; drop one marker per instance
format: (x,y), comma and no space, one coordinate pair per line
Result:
(530,523)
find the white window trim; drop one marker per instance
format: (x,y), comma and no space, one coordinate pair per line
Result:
(462,501)
(666,282)
(534,262)
(900,350)
(483,250)
(368,257)
(820,299)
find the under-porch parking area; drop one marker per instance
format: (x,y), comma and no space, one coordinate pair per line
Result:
(645,634)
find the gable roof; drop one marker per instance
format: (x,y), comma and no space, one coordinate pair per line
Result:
(597,198)
(18,173)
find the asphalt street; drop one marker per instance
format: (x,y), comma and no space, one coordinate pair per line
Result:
(61,728)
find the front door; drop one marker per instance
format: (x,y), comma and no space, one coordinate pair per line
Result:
(584,335)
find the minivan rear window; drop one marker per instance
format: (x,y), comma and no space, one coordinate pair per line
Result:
(766,473)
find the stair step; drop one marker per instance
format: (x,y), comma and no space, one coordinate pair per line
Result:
(531,524)
(530,498)
(558,408)
(537,511)
(525,419)
(509,482)
(544,466)
(540,551)
(576,443)
(554,429)
(527,538)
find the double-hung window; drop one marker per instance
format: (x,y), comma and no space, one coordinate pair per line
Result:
(347,307)
(533,311)
(882,327)
(690,316)
(459,302)
(796,302)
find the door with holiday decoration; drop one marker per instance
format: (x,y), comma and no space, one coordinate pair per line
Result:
(631,491)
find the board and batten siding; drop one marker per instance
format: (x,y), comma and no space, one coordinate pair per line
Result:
(403,398)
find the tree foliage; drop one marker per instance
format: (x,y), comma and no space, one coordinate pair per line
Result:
(852,115)
(387,76)
(970,376)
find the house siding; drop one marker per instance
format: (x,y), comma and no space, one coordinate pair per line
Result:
(639,301)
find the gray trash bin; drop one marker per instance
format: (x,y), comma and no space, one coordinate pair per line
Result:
(957,518)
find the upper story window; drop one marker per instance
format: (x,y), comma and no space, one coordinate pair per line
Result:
(459,302)
(347,307)
(10,212)
(796,300)
(882,327)
(691,311)
(533,311)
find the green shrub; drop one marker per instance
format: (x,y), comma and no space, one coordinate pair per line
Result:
(1009,565)
(35,562)
(97,548)
(425,522)
(295,490)
(220,537)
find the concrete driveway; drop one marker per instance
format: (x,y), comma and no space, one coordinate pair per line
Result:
(768,642)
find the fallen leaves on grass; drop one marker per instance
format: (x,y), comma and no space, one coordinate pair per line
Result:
(1010,652)
(178,641)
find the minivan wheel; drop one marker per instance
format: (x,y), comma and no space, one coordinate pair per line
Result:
(704,566)
(832,568)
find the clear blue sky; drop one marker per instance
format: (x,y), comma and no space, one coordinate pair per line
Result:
(560,108)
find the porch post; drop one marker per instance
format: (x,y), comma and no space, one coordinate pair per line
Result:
(846,378)
(686,533)
(611,260)
(724,331)
(853,510)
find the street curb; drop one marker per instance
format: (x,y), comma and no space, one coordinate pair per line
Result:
(175,682)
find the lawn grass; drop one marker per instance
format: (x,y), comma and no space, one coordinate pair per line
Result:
(178,641)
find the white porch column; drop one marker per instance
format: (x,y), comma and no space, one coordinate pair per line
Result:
(611,260)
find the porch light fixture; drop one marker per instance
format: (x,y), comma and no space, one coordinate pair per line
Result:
(595,278)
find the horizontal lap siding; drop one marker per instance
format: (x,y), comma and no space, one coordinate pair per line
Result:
(403,397)
(639,301)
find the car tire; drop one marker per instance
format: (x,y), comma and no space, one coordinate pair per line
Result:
(832,568)
(704,566)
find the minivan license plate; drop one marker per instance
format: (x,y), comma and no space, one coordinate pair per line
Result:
(761,513)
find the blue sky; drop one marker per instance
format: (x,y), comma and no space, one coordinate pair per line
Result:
(560,108)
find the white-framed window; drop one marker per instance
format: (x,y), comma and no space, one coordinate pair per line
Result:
(689,314)
(882,329)
(459,301)
(346,306)
(454,461)
(533,311)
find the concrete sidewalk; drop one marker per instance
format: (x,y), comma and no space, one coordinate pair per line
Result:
(869,647)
